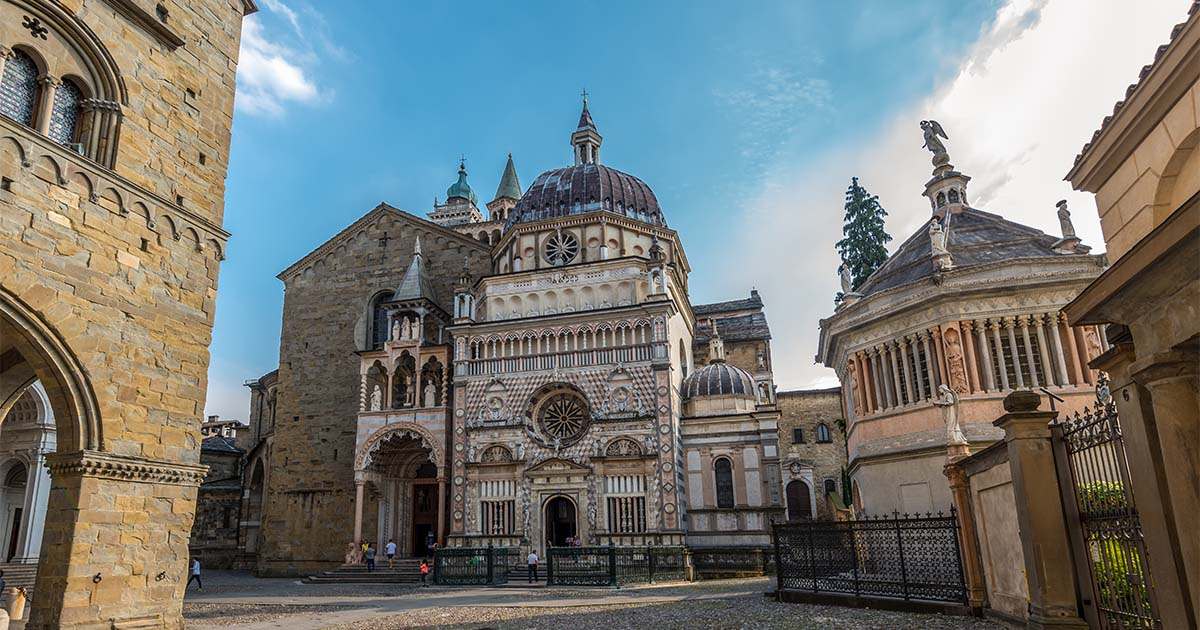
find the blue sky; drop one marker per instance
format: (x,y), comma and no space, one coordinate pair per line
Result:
(746,119)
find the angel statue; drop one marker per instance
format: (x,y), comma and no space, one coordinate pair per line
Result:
(847,281)
(937,239)
(947,399)
(932,130)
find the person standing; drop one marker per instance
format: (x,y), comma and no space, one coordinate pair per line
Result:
(195,575)
(532,561)
(390,550)
(370,556)
(424,572)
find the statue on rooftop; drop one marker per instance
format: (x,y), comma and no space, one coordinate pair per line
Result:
(932,131)
(847,281)
(1064,220)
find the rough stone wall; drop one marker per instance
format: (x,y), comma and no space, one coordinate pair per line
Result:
(215,532)
(806,409)
(309,512)
(125,278)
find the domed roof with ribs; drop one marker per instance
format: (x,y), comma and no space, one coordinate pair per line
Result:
(585,188)
(718,379)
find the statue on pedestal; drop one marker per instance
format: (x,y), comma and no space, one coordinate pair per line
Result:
(376,398)
(947,399)
(1064,220)
(932,130)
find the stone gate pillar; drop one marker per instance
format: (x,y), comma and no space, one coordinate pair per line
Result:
(116,541)
(1049,568)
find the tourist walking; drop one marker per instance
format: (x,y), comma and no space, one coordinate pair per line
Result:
(370,556)
(532,561)
(195,575)
(390,550)
(424,572)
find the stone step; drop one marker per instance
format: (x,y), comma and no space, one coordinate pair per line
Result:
(19,574)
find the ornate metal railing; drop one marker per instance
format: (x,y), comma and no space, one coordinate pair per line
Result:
(896,557)
(733,561)
(474,565)
(614,566)
(1103,520)
(556,360)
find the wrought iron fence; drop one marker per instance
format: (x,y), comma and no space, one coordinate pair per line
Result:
(733,561)
(614,566)
(1103,518)
(900,557)
(474,565)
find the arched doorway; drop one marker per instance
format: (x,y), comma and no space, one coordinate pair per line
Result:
(254,506)
(799,501)
(560,521)
(399,465)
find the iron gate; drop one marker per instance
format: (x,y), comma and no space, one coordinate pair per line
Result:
(910,558)
(1103,519)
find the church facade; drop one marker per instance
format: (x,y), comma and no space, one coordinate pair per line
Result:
(535,378)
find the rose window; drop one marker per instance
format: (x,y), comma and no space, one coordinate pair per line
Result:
(563,417)
(561,248)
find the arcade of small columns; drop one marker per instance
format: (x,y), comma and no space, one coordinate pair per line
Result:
(971,356)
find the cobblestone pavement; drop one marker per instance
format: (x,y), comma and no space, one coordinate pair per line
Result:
(262,604)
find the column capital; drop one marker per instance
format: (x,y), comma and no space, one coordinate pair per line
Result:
(1023,321)
(48,81)
(966,325)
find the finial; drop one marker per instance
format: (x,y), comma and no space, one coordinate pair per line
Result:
(931,130)
(462,163)
(585,95)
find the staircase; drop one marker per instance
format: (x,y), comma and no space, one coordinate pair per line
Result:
(19,575)
(406,571)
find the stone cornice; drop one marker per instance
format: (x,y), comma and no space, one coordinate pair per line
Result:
(98,464)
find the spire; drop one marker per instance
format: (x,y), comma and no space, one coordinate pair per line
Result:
(586,138)
(510,186)
(716,347)
(416,283)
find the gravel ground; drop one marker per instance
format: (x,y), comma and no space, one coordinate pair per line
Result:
(241,614)
(742,611)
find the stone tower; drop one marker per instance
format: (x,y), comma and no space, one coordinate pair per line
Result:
(113,150)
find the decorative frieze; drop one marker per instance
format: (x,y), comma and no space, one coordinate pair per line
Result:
(103,465)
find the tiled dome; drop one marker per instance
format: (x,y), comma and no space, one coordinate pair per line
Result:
(718,379)
(587,188)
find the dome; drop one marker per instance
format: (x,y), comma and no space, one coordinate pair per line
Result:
(585,188)
(718,379)
(461,188)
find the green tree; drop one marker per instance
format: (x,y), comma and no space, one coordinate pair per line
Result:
(862,250)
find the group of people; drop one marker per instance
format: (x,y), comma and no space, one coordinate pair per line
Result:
(369,553)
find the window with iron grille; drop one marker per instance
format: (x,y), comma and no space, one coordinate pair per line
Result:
(498,517)
(626,503)
(64,115)
(19,88)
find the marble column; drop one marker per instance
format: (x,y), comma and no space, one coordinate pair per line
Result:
(1023,324)
(873,373)
(929,367)
(902,348)
(1001,361)
(1051,320)
(1009,325)
(968,344)
(880,389)
(940,350)
(891,350)
(916,362)
(358,513)
(989,383)
(37,491)
(49,85)
(1077,361)
(1047,365)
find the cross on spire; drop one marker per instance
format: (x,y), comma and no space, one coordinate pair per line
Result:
(584,94)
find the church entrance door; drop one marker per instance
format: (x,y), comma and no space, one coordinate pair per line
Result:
(799,501)
(424,511)
(560,521)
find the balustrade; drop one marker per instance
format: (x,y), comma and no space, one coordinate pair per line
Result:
(554,360)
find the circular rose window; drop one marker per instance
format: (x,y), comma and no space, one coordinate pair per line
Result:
(561,248)
(563,416)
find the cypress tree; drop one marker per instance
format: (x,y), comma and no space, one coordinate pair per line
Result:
(862,250)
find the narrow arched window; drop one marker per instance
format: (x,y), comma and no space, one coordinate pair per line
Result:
(64,115)
(823,433)
(379,321)
(19,88)
(723,473)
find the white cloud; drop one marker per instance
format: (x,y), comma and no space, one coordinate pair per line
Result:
(270,74)
(1027,96)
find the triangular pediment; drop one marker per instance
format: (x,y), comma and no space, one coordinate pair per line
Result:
(557,466)
(377,214)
